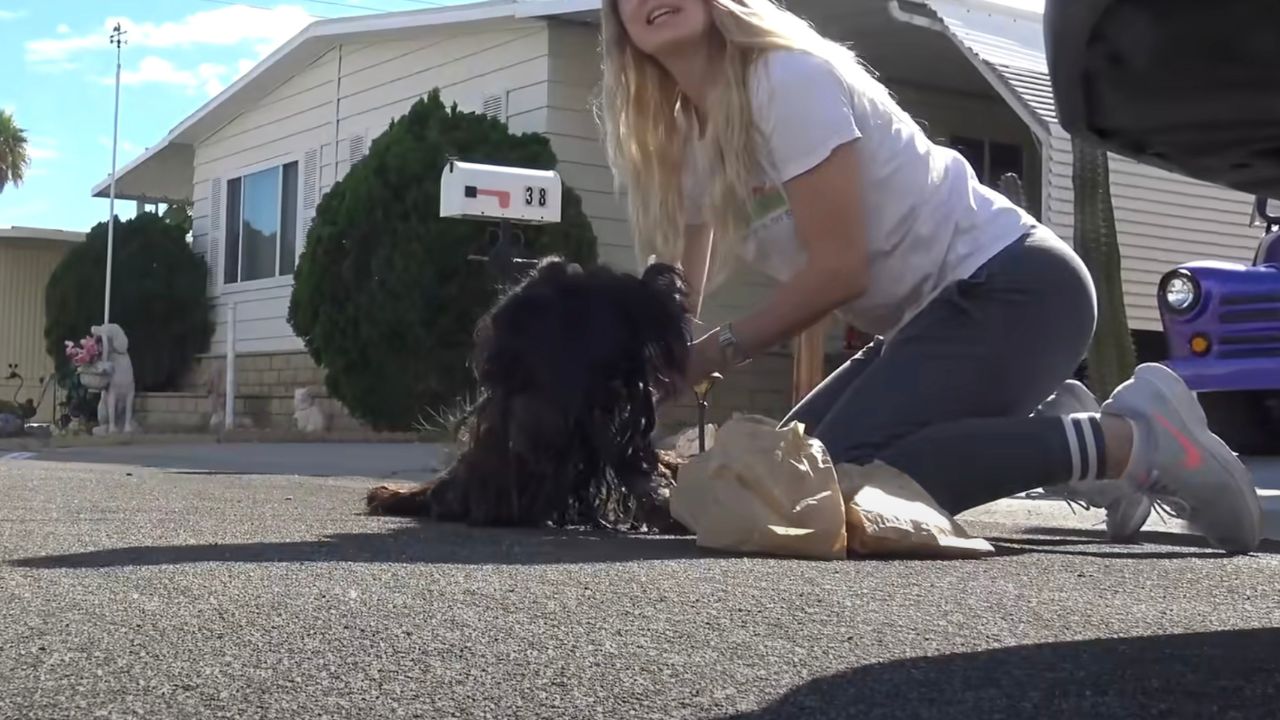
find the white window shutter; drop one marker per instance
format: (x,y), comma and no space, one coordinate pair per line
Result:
(216,219)
(355,148)
(495,106)
(310,191)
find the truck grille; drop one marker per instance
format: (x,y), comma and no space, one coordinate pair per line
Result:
(1249,308)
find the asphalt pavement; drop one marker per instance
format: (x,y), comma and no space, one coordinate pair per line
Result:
(140,586)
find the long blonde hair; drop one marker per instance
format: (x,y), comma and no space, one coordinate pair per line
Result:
(648,125)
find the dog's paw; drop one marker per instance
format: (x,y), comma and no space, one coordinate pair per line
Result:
(399,499)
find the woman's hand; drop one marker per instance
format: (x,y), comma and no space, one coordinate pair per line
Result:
(705,357)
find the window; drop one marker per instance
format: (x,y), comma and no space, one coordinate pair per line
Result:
(991,160)
(262,224)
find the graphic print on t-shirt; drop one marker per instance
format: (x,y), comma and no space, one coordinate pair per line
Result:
(771,234)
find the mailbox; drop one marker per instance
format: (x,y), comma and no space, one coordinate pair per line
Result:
(474,191)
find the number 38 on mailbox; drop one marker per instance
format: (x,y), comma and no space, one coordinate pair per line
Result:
(495,192)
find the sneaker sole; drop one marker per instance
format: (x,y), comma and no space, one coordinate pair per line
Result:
(1196,425)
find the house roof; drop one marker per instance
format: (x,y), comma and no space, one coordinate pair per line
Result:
(34,235)
(1006,44)
(145,177)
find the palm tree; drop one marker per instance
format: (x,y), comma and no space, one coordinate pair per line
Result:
(14,159)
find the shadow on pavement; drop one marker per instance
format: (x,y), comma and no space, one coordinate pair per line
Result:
(1209,675)
(1151,540)
(447,543)
(412,543)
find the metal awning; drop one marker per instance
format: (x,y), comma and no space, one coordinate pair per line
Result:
(1005,44)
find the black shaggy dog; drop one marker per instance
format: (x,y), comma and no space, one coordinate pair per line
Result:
(567,364)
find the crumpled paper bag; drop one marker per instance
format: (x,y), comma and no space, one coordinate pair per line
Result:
(888,513)
(761,489)
(771,490)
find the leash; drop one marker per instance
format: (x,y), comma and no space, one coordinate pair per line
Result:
(700,391)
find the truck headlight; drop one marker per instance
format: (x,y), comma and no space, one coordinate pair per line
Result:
(1181,291)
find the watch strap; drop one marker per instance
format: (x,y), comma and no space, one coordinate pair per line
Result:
(730,346)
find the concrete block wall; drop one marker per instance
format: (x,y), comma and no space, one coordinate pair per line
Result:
(265,384)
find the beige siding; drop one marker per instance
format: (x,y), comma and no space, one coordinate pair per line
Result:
(1162,220)
(353,93)
(24,271)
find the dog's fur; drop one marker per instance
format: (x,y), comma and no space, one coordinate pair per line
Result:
(117,399)
(567,365)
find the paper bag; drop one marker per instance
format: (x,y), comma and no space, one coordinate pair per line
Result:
(761,489)
(888,513)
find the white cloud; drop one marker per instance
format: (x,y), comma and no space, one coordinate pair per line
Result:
(42,148)
(212,78)
(63,29)
(12,14)
(224,26)
(154,69)
(123,146)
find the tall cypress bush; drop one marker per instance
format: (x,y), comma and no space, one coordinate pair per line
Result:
(157,297)
(385,298)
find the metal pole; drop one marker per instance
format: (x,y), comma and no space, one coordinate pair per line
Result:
(117,39)
(229,411)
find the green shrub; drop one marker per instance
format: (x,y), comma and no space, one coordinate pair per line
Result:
(157,297)
(385,298)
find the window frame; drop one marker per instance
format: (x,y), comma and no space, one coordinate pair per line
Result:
(276,280)
(983,172)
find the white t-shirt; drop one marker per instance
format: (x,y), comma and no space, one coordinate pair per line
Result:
(929,221)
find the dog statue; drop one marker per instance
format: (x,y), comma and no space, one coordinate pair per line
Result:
(568,364)
(117,399)
(307,416)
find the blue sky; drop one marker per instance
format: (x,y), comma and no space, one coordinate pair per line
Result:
(57,74)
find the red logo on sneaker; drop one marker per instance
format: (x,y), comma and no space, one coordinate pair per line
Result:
(1192,458)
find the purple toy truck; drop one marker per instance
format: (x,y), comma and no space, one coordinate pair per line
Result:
(1222,326)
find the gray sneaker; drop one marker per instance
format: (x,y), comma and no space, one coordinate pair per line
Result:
(1176,454)
(1127,509)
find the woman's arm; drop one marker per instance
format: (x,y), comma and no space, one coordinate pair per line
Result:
(829,225)
(827,212)
(697,254)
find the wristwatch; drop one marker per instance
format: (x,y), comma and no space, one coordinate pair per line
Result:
(729,346)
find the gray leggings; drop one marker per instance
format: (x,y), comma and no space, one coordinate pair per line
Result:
(949,399)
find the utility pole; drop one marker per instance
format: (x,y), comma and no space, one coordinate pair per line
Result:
(117,39)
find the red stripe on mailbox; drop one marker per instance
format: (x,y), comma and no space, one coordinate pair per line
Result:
(504,197)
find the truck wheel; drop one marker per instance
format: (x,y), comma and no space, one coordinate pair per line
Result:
(1242,420)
